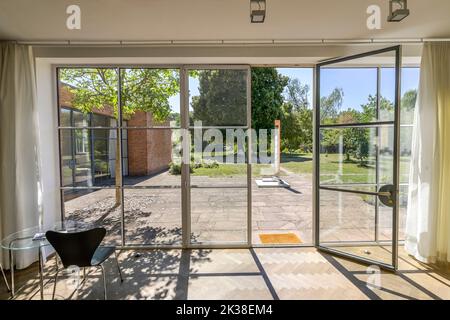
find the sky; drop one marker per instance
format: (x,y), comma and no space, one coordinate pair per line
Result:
(356,83)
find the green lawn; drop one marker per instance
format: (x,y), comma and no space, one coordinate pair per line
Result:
(229,170)
(332,170)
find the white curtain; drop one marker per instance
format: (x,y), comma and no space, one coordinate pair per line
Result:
(19,174)
(428,214)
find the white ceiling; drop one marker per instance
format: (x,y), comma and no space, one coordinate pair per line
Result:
(216,20)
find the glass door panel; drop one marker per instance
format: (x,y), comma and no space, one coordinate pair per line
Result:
(219,110)
(151,165)
(357,157)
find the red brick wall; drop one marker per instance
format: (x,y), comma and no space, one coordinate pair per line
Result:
(149,151)
(66,97)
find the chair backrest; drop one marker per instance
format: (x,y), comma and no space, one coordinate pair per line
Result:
(76,248)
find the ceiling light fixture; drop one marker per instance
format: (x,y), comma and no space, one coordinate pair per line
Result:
(257,11)
(398,10)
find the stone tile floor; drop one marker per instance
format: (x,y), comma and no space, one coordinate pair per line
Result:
(263,273)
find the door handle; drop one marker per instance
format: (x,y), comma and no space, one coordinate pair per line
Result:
(386,195)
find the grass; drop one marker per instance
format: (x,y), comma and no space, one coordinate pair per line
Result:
(351,171)
(333,169)
(229,170)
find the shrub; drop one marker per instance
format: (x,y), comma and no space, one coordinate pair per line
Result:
(175,168)
(210,164)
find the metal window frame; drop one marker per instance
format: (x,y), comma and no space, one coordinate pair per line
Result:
(183,102)
(184,127)
(188,127)
(396,160)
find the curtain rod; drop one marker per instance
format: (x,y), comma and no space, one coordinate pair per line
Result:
(228,42)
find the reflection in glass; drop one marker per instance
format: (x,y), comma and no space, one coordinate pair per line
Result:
(88,157)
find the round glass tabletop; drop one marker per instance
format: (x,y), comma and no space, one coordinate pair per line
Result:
(34,237)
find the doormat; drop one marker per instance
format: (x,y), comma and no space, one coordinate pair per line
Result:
(279,238)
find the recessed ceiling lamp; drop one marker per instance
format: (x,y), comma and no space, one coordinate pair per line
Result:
(398,10)
(257,11)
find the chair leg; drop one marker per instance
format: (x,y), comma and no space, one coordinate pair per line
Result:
(104,280)
(118,266)
(54,285)
(4,278)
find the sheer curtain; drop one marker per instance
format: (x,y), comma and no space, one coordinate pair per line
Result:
(19,172)
(428,214)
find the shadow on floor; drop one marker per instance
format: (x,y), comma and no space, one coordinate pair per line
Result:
(280,272)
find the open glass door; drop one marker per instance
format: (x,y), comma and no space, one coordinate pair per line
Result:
(357,156)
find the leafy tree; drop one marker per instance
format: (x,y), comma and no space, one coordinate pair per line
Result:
(297,120)
(408,105)
(297,94)
(330,106)
(350,142)
(369,110)
(222,98)
(267,97)
(409,100)
(145,90)
(329,111)
(363,145)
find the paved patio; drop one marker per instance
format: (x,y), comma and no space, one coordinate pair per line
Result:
(219,212)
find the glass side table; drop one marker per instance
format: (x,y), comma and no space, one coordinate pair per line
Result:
(34,239)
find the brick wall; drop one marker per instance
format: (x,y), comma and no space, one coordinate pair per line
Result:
(66,97)
(149,151)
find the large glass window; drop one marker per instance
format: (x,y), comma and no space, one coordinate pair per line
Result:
(126,175)
(116,174)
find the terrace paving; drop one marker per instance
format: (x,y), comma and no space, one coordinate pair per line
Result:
(219,211)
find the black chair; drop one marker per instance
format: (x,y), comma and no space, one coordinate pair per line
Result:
(82,249)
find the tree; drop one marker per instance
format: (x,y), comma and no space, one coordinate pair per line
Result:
(408,105)
(145,90)
(297,120)
(330,106)
(267,97)
(222,99)
(297,94)
(350,142)
(409,100)
(369,110)
(329,111)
